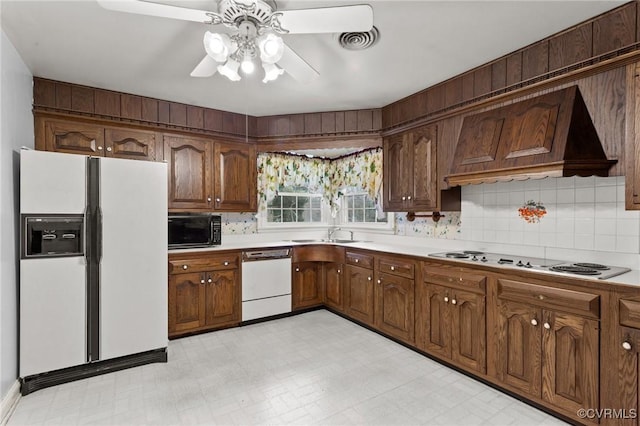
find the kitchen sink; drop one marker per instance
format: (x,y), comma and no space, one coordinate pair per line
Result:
(324,240)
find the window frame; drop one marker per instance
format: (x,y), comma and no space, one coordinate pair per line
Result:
(377,226)
(264,224)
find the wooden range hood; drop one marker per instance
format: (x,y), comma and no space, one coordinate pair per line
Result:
(549,135)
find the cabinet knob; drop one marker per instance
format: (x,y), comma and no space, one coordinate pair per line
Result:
(338,270)
(99,148)
(534,322)
(454,301)
(226,263)
(184,266)
(217,200)
(369,278)
(404,198)
(547,326)
(357,260)
(109,149)
(461,279)
(393,268)
(446,299)
(209,280)
(379,281)
(409,198)
(297,269)
(202,281)
(626,346)
(209,199)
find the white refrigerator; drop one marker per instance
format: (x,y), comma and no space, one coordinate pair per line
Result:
(101,305)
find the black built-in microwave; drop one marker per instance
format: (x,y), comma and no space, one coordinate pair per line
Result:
(194,230)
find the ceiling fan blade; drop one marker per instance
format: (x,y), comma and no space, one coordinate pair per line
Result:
(155,9)
(297,67)
(206,68)
(328,20)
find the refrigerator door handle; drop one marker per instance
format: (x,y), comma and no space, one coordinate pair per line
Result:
(99,235)
(87,235)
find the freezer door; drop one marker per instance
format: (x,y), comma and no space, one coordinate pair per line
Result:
(51,182)
(133,271)
(52,314)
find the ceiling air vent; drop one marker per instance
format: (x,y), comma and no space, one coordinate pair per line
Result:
(359,40)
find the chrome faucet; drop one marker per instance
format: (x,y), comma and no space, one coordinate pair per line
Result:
(331,231)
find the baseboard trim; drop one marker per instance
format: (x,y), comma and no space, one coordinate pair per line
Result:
(9,402)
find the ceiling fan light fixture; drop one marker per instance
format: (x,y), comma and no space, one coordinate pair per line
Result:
(247,66)
(271,72)
(218,46)
(271,48)
(230,69)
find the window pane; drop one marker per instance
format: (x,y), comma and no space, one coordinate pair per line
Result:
(358,215)
(304,215)
(316,215)
(288,202)
(315,202)
(274,215)
(276,202)
(368,203)
(370,216)
(288,216)
(359,201)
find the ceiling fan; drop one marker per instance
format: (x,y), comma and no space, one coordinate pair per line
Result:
(254,29)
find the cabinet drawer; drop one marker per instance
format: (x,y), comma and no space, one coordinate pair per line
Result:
(454,276)
(394,266)
(359,259)
(586,304)
(629,313)
(201,264)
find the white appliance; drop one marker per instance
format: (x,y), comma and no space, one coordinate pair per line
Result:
(104,306)
(266,283)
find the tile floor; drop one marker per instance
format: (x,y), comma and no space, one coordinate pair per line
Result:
(315,368)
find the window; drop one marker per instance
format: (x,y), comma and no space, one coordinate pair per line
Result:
(360,208)
(295,205)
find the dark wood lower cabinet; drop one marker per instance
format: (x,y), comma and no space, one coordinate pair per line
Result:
(307,287)
(204,293)
(549,355)
(359,293)
(394,308)
(222,298)
(450,323)
(334,285)
(186,302)
(628,371)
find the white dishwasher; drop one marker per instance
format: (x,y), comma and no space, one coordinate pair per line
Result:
(266,283)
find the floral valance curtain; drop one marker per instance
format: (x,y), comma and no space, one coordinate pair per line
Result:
(329,177)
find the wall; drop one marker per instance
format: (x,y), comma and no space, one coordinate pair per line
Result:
(582,213)
(16,130)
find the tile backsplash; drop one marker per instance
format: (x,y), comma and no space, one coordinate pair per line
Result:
(582,213)
(239,223)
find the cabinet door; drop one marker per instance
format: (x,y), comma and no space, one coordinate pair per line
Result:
(433,329)
(235,177)
(334,288)
(468,330)
(394,308)
(424,176)
(570,345)
(73,138)
(397,167)
(131,144)
(186,302)
(519,346)
(222,297)
(632,138)
(307,285)
(628,389)
(189,168)
(359,293)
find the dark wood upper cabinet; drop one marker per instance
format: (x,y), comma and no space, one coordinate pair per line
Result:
(70,137)
(235,177)
(632,138)
(131,144)
(189,162)
(410,170)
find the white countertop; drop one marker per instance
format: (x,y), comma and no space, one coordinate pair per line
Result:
(393,246)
